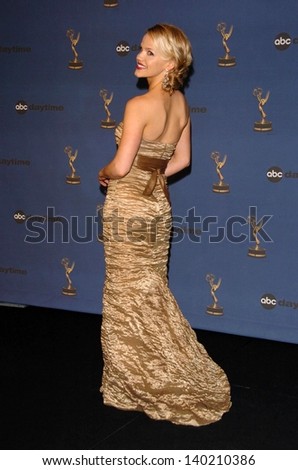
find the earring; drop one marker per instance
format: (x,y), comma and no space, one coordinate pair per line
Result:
(165,80)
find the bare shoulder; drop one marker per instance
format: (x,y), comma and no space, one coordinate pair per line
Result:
(137,108)
(137,102)
(180,98)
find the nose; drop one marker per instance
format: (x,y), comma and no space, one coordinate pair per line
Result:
(140,54)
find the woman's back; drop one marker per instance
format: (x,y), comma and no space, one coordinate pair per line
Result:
(166,117)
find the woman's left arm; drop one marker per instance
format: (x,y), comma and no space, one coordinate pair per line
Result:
(134,122)
(182,155)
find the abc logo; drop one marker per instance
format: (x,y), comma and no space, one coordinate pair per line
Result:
(268,301)
(19,217)
(123,48)
(282,41)
(21,107)
(274,174)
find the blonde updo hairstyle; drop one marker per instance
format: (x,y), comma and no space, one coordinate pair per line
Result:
(173,45)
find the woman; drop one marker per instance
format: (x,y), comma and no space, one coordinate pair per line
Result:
(152,360)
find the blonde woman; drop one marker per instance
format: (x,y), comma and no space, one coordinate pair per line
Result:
(152,360)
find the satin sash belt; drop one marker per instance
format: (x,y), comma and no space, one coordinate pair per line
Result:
(157,168)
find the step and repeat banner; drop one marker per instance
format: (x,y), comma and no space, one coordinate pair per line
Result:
(66,73)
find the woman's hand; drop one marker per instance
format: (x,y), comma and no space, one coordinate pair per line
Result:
(102,179)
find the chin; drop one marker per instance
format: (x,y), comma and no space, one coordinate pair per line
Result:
(139,74)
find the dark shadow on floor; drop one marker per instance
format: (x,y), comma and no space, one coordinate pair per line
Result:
(51,373)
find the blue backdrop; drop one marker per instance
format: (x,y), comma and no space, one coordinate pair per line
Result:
(50,212)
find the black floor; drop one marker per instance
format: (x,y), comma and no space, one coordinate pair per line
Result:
(51,372)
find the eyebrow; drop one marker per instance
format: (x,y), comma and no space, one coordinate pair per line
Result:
(146,48)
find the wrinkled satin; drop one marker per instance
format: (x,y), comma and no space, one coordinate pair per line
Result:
(152,359)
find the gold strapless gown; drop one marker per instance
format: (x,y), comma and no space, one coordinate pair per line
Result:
(152,359)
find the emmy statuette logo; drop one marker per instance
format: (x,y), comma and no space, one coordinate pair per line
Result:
(76,63)
(263,125)
(107,123)
(257,251)
(221,186)
(110,3)
(72,178)
(214,309)
(227,60)
(69,289)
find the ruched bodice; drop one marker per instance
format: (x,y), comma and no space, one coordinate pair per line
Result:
(149,148)
(152,360)
(152,158)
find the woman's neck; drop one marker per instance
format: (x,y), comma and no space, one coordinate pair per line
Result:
(153,85)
